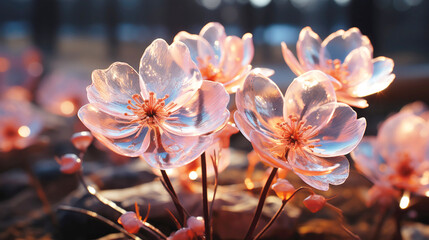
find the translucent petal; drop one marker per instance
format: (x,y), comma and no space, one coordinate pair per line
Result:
(380,80)
(306,163)
(204,113)
(261,102)
(308,48)
(199,48)
(215,35)
(243,124)
(132,146)
(236,83)
(319,117)
(307,92)
(248,49)
(175,151)
(113,87)
(369,161)
(231,60)
(169,70)
(269,150)
(106,124)
(291,61)
(336,177)
(340,43)
(342,134)
(403,133)
(351,101)
(359,66)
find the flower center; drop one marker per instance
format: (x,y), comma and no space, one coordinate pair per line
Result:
(404,167)
(296,134)
(150,111)
(337,70)
(208,70)
(10,132)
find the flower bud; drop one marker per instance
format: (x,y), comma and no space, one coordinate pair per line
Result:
(283,189)
(82,140)
(196,224)
(314,202)
(182,234)
(69,163)
(130,222)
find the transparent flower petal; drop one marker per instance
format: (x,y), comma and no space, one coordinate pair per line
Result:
(359,66)
(169,70)
(380,80)
(231,60)
(307,92)
(204,113)
(248,49)
(369,161)
(308,48)
(199,48)
(291,60)
(270,151)
(106,124)
(342,134)
(306,163)
(175,151)
(336,177)
(112,88)
(351,101)
(261,102)
(340,43)
(215,35)
(236,83)
(243,124)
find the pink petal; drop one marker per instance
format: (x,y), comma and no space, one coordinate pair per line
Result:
(131,146)
(176,151)
(106,124)
(351,101)
(306,163)
(336,177)
(340,43)
(215,35)
(113,87)
(291,61)
(342,134)
(368,160)
(236,83)
(380,80)
(232,56)
(261,102)
(199,48)
(248,49)
(169,70)
(203,113)
(270,150)
(308,48)
(308,92)
(243,124)
(359,65)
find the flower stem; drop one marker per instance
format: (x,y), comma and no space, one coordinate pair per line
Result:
(173,195)
(261,202)
(205,197)
(381,219)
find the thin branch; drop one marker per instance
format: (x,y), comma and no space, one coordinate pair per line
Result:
(180,209)
(205,197)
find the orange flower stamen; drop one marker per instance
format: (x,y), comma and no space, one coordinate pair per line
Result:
(337,70)
(208,70)
(296,134)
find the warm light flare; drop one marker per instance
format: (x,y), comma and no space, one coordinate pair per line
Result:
(67,107)
(24,131)
(405,200)
(193,175)
(249,184)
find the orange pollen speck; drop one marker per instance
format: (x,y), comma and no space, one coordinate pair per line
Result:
(150,111)
(296,134)
(208,71)
(337,70)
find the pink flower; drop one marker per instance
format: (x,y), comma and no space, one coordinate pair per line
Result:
(346,56)
(164,113)
(20,124)
(220,58)
(398,156)
(305,130)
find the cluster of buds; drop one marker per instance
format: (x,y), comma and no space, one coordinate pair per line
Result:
(194,230)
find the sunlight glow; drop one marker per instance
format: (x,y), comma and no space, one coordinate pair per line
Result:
(405,200)
(249,184)
(193,175)
(24,131)
(91,190)
(67,107)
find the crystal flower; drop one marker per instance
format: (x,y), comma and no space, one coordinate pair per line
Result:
(399,156)
(164,113)
(20,124)
(305,130)
(220,58)
(346,56)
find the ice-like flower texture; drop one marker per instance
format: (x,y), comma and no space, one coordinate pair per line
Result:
(220,58)
(20,124)
(69,163)
(346,56)
(398,158)
(305,130)
(165,113)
